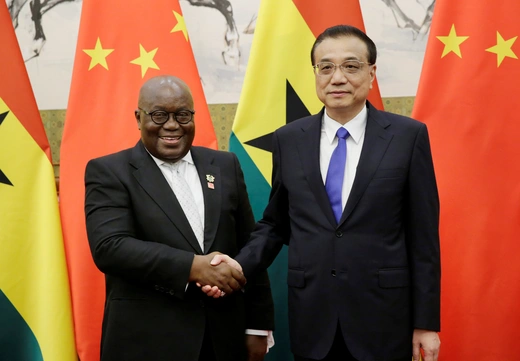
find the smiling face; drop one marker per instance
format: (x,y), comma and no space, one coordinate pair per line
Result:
(343,95)
(169,141)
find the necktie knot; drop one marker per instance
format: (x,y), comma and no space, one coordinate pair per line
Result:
(176,166)
(342,133)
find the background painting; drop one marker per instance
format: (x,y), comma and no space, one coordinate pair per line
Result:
(394,25)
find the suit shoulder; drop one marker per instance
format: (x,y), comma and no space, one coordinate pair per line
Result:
(117,157)
(219,156)
(401,120)
(298,124)
(204,151)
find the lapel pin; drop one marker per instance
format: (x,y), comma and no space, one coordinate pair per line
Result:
(211,180)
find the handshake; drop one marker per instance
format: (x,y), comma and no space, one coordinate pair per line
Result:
(217,274)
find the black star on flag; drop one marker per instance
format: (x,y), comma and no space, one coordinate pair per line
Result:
(3,177)
(295,109)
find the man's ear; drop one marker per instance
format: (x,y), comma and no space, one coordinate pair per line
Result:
(137,115)
(372,74)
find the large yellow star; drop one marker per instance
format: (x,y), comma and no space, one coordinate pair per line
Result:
(181,25)
(98,55)
(145,60)
(503,48)
(452,42)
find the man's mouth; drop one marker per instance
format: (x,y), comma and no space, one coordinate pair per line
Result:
(171,140)
(338,93)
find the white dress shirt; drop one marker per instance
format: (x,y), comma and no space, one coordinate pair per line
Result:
(329,141)
(188,171)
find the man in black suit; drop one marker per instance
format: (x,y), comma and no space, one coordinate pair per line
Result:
(360,217)
(154,213)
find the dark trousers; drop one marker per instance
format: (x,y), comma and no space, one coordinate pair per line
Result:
(338,351)
(207,352)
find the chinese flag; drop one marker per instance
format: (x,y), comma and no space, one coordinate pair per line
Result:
(279,87)
(120,46)
(35,307)
(471,69)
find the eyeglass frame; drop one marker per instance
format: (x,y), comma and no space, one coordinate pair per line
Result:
(346,73)
(192,112)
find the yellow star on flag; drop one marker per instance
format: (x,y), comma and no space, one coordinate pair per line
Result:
(181,25)
(98,55)
(452,42)
(145,60)
(503,48)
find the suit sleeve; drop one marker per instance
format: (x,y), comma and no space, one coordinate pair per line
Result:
(422,235)
(114,240)
(273,230)
(258,297)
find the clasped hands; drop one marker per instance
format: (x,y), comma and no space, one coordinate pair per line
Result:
(217,274)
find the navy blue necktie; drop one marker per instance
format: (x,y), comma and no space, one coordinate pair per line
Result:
(334,181)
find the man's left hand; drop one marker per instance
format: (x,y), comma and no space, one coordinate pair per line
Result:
(256,347)
(430,343)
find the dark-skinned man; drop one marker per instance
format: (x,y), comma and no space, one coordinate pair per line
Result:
(156,215)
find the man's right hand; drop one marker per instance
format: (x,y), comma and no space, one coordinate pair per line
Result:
(214,291)
(222,276)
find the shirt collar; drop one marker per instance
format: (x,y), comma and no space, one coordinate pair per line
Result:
(356,126)
(187,158)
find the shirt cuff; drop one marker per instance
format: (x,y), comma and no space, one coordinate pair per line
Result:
(269,334)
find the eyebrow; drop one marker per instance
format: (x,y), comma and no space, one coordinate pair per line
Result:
(344,59)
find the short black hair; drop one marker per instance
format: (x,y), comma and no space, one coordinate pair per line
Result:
(346,30)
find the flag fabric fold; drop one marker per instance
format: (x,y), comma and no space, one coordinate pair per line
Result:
(35,308)
(120,46)
(279,88)
(470,71)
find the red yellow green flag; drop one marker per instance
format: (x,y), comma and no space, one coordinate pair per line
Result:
(120,46)
(35,309)
(470,71)
(279,87)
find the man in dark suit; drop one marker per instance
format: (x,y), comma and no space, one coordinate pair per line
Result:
(154,213)
(360,217)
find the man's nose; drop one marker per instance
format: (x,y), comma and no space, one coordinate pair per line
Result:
(338,76)
(171,122)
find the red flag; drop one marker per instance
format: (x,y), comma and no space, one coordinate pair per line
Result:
(120,46)
(471,69)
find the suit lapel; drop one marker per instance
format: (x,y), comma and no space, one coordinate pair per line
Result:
(376,142)
(153,182)
(309,149)
(210,179)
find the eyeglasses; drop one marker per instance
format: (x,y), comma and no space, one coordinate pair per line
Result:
(348,67)
(160,117)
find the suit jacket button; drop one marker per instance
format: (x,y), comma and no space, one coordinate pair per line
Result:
(171,292)
(201,303)
(339,234)
(157,287)
(333,273)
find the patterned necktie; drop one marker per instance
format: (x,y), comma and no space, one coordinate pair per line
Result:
(187,201)
(336,172)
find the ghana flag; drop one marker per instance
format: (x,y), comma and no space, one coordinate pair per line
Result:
(35,310)
(279,88)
